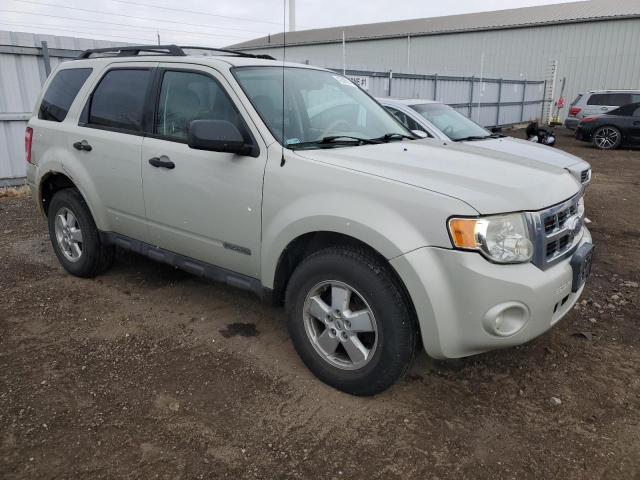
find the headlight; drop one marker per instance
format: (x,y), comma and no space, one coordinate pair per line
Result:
(500,238)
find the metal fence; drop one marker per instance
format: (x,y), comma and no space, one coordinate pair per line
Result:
(26,60)
(489,101)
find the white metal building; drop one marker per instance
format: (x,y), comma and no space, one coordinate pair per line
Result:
(594,44)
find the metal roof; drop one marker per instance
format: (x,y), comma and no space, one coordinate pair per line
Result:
(574,12)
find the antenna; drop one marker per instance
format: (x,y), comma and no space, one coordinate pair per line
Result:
(284,55)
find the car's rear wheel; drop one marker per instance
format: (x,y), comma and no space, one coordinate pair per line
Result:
(349,321)
(607,138)
(75,237)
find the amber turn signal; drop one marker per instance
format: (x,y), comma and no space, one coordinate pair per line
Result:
(463,232)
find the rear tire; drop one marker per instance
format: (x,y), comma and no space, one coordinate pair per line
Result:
(607,138)
(75,237)
(349,321)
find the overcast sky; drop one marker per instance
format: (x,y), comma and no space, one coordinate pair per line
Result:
(218,22)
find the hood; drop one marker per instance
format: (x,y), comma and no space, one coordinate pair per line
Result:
(530,150)
(491,182)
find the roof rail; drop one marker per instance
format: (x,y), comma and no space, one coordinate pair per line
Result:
(232,52)
(133,50)
(173,50)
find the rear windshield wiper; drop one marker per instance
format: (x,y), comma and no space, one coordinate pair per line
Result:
(334,140)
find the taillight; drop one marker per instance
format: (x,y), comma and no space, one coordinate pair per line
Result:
(588,119)
(28,140)
(573,111)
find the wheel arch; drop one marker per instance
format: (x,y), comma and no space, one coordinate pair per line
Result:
(54,180)
(623,136)
(308,243)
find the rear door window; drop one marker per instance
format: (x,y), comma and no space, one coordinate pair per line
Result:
(61,92)
(118,100)
(619,99)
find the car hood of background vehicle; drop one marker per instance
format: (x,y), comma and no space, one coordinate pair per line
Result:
(530,150)
(493,182)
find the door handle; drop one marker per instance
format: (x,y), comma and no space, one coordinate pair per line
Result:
(83,145)
(162,162)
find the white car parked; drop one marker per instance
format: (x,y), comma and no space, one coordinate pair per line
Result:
(441,121)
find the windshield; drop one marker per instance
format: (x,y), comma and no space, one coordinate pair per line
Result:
(453,124)
(318,105)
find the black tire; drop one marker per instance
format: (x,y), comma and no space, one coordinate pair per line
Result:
(607,137)
(396,331)
(96,257)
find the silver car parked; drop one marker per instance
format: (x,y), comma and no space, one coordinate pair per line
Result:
(441,121)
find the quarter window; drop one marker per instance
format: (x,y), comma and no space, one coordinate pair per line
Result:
(407,121)
(189,96)
(61,92)
(118,101)
(610,99)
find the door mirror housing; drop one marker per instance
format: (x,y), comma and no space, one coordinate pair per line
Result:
(217,136)
(420,133)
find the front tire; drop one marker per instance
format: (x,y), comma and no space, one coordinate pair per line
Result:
(349,321)
(607,138)
(75,237)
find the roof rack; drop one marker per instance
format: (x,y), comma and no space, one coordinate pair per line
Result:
(173,50)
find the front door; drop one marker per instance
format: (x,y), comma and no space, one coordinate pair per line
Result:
(208,205)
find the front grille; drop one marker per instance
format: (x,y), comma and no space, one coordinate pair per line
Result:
(585,175)
(556,232)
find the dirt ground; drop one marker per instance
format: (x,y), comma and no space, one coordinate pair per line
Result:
(148,372)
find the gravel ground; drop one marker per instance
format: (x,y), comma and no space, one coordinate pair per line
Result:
(148,372)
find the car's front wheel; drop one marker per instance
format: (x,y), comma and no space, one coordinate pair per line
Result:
(75,237)
(349,321)
(607,138)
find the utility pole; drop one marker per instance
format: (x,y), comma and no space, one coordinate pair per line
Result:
(158,33)
(292,15)
(344,55)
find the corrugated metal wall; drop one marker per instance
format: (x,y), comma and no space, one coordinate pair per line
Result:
(594,55)
(22,73)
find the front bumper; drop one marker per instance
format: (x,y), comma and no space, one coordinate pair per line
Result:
(455,292)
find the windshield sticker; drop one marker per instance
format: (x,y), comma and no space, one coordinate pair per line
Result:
(292,141)
(344,81)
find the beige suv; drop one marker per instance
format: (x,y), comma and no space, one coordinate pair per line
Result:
(291,182)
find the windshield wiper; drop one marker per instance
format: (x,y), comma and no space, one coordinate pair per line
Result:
(472,138)
(335,140)
(387,137)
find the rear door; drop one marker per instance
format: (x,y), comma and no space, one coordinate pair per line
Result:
(111,125)
(208,206)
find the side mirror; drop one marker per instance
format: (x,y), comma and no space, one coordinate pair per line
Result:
(419,133)
(217,136)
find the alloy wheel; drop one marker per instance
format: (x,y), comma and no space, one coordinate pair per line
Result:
(607,138)
(68,234)
(340,325)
